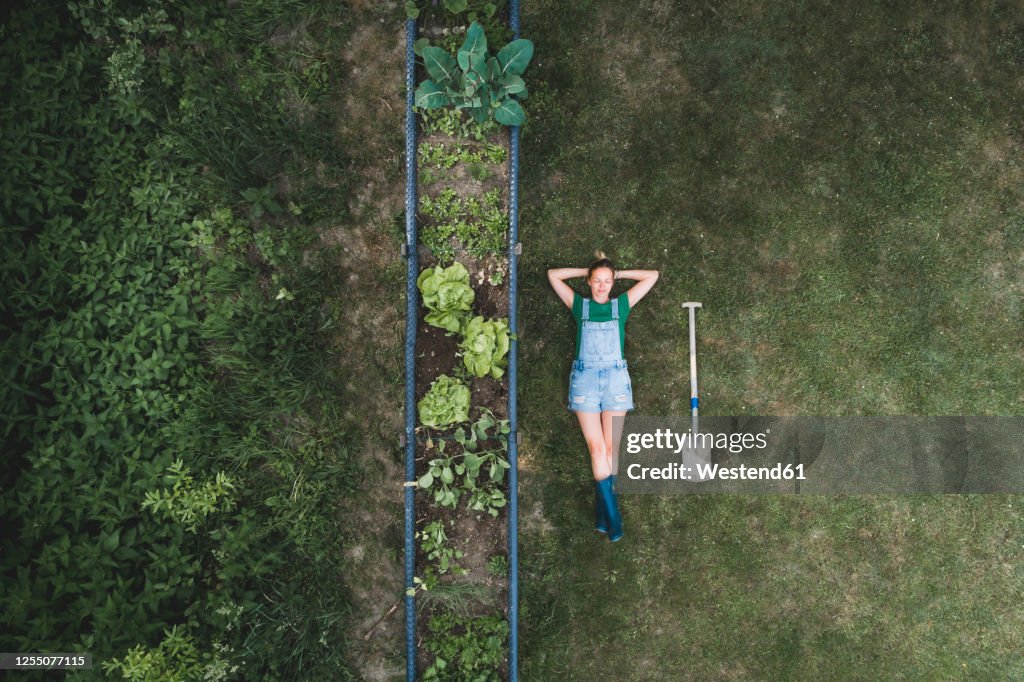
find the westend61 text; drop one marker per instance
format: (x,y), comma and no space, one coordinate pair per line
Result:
(705,472)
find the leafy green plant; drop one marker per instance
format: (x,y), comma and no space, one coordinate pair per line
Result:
(494,153)
(497,565)
(187,503)
(478,223)
(486,495)
(455,15)
(442,155)
(413,8)
(418,585)
(437,155)
(453,123)
(449,41)
(454,476)
(488,87)
(262,200)
(434,542)
(446,403)
(488,499)
(479,171)
(447,295)
(441,477)
(445,206)
(426,176)
(486,427)
(457,475)
(484,346)
(125,67)
(174,659)
(466,648)
(461,373)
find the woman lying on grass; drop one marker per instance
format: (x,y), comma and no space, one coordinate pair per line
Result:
(599,387)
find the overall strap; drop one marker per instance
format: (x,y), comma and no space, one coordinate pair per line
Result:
(586,309)
(615,308)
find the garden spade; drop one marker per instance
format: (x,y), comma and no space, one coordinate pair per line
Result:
(700,450)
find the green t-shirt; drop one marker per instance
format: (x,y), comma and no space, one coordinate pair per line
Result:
(600,312)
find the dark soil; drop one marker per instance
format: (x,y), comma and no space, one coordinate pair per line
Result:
(435,355)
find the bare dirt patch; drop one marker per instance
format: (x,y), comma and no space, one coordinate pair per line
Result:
(775,274)
(532,519)
(373,530)
(370,120)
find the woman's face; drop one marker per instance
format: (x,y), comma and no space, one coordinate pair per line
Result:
(601,281)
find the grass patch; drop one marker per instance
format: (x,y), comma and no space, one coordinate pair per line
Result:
(841,190)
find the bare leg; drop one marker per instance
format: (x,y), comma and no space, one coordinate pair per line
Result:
(611,439)
(593,433)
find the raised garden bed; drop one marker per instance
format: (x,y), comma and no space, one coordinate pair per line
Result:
(462,340)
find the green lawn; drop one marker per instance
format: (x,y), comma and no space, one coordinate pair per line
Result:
(842,188)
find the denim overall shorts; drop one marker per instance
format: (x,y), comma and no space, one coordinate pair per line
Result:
(600,378)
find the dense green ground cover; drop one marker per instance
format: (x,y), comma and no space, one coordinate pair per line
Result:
(177,442)
(841,187)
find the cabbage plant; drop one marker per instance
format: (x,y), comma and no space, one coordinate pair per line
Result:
(447,295)
(487,86)
(485,346)
(446,403)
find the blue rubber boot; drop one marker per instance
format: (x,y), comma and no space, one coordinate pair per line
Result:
(601,525)
(615,495)
(611,508)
